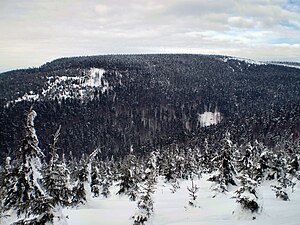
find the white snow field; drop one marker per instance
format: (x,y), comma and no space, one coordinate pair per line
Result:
(209,118)
(173,209)
(63,87)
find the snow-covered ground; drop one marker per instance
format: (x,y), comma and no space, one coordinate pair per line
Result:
(248,61)
(63,87)
(209,118)
(173,209)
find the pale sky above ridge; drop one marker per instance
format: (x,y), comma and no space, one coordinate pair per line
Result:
(33,32)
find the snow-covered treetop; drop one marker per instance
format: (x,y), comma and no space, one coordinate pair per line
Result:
(31,137)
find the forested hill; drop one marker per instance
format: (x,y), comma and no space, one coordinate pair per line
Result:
(151,101)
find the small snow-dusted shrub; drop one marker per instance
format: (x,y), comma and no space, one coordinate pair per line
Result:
(281,189)
(247,197)
(248,202)
(175,186)
(42,219)
(280,192)
(193,194)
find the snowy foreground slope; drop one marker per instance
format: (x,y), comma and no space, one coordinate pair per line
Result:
(172,208)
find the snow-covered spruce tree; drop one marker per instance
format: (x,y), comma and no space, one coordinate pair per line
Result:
(261,162)
(293,164)
(145,202)
(94,172)
(151,170)
(169,167)
(167,164)
(280,173)
(105,177)
(72,165)
(247,196)
(105,185)
(95,179)
(279,165)
(82,185)
(56,176)
(129,177)
(226,172)
(206,157)
(245,162)
(5,175)
(185,163)
(111,168)
(193,190)
(191,164)
(26,195)
(79,191)
(6,178)
(249,163)
(180,164)
(145,205)
(194,153)
(283,180)
(256,150)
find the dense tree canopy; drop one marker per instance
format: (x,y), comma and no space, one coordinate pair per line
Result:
(154,101)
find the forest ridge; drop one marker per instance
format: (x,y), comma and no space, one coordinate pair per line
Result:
(150,102)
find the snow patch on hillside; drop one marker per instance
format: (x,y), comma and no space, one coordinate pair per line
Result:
(28,97)
(209,118)
(76,87)
(248,61)
(95,79)
(253,62)
(63,87)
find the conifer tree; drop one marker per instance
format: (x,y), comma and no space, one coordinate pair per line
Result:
(261,163)
(293,165)
(193,194)
(283,180)
(245,163)
(206,163)
(226,172)
(151,170)
(93,170)
(95,180)
(106,183)
(106,177)
(26,195)
(169,165)
(79,194)
(56,176)
(190,165)
(6,178)
(129,177)
(145,202)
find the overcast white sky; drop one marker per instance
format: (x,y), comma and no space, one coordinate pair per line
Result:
(33,32)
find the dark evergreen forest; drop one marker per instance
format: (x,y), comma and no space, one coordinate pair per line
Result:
(154,102)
